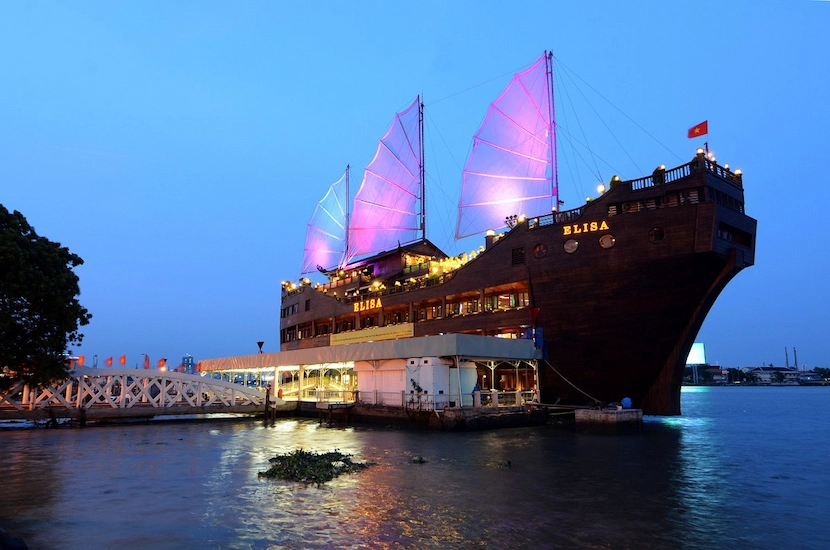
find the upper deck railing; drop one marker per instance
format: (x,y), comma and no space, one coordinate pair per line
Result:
(699,163)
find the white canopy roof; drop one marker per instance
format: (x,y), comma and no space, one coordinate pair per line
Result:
(468,346)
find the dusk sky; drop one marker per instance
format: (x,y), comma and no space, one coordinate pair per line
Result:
(180,147)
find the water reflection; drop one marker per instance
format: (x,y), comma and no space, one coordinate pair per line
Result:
(691,481)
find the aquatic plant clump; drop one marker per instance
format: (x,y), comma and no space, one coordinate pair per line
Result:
(310,467)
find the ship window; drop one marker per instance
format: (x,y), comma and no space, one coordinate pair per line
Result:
(607,241)
(656,235)
(730,233)
(468,307)
(571,245)
(434,312)
(307,305)
(518,257)
(539,251)
(396,317)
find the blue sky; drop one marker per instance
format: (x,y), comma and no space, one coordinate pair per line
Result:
(180,147)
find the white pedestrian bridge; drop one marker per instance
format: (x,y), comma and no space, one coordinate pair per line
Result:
(101,394)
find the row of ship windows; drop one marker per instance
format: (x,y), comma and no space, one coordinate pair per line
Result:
(688,196)
(655,235)
(489,303)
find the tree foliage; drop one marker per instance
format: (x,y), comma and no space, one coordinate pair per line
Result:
(40,315)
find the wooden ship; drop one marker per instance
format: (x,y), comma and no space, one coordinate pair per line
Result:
(613,292)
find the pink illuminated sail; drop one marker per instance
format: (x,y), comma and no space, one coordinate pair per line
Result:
(388,207)
(325,239)
(511,169)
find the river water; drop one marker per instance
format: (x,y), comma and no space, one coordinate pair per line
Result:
(743,467)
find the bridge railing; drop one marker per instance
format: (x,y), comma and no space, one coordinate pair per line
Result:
(128,388)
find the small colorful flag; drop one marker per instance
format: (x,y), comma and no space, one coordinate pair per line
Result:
(122,360)
(146,361)
(699,130)
(109,361)
(81,361)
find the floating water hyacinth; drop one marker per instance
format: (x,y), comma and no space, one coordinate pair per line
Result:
(310,467)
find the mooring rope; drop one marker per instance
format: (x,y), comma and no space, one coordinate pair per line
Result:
(571,383)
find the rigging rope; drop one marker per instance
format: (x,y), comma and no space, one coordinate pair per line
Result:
(560,63)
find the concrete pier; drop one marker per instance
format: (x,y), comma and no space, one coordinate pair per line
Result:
(609,421)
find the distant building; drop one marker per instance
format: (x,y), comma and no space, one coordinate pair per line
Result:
(772,375)
(189,364)
(718,375)
(811,378)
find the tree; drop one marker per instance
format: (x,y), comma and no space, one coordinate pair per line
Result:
(39,310)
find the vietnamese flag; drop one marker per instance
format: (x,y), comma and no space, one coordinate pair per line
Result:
(81,361)
(146,361)
(699,130)
(122,360)
(109,362)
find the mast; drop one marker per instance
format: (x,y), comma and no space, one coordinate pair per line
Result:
(421,174)
(554,175)
(348,203)
(786,358)
(795,358)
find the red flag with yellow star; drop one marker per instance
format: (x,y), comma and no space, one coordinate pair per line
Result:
(699,130)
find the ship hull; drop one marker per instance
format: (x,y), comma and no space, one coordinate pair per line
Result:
(616,291)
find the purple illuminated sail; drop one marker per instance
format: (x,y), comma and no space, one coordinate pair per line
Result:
(511,169)
(387,207)
(325,239)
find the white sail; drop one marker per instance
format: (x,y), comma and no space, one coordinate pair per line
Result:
(511,169)
(325,240)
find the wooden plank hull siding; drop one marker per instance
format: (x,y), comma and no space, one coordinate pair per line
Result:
(622,286)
